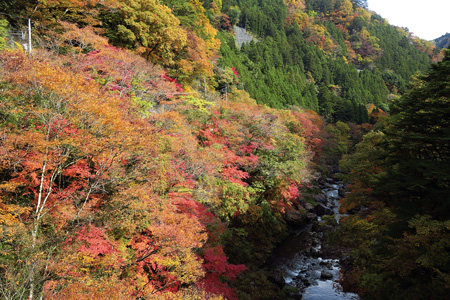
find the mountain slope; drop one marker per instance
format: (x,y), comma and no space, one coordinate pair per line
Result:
(443,41)
(331,56)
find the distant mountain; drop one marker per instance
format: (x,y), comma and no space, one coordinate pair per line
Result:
(443,41)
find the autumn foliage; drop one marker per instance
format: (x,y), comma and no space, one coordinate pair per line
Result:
(112,186)
(353,22)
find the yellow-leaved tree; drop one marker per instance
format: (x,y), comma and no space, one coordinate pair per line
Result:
(148,27)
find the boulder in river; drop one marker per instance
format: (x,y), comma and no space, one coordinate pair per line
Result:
(322,210)
(320,198)
(326,275)
(315,252)
(327,264)
(330,180)
(295,218)
(311,216)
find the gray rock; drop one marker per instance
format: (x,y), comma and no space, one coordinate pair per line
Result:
(330,180)
(315,252)
(320,198)
(309,207)
(326,275)
(295,218)
(311,216)
(315,241)
(327,264)
(322,210)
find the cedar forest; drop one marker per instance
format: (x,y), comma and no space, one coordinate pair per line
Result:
(144,155)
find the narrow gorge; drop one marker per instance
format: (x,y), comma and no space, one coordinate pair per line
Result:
(301,261)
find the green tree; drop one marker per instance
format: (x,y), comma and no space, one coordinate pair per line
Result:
(419,144)
(401,181)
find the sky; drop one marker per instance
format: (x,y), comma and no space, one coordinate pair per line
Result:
(427,19)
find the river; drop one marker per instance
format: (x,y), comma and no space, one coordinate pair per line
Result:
(301,260)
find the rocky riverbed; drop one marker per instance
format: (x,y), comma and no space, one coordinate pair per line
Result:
(300,260)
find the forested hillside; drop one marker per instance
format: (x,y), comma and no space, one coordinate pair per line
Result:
(143,155)
(101,197)
(331,56)
(443,41)
(397,236)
